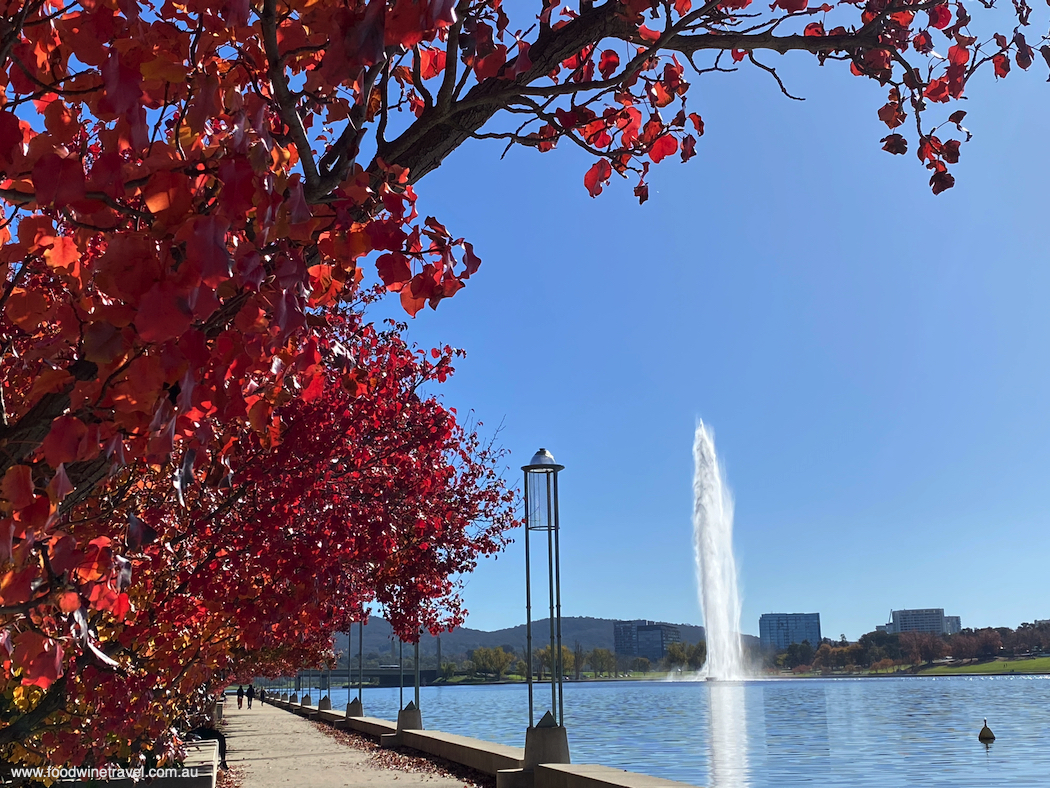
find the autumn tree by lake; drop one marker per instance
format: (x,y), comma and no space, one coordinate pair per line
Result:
(192,194)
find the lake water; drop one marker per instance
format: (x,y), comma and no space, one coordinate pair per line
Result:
(861,733)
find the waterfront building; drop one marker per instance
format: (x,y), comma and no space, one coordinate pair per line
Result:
(653,640)
(779,630)
(641,638)
(927,619)
(625,637)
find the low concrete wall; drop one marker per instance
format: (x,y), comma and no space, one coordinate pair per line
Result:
(200,755)
(370,726)
(484,756)
(586,775)
(490,758)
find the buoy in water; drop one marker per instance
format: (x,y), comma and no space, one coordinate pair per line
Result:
(986,734)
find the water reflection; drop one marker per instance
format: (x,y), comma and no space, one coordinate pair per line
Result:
(792,733)
(728,735)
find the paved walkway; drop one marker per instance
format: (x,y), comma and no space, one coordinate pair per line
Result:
(274,748)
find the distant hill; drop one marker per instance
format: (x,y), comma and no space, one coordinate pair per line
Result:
(590,633)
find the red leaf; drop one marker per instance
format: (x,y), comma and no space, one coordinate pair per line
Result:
(490,65)
(10,138)
(738,55)
(410,303)
(431,62)
(688,147)
(895,143)
(647,34)
(471,260)
(814,29)
(522,63)
(405,24)
(363,45)
(44,667)
(60,485)
(298,210)
(940,17)
(958,55)
(394,270)
(164,313)
(315,390)
(937,90)
(662,148)
(121,85)
(17,486)
(609,62)
(792,6)
(121,606)
(1001,64)
(69,602)
(206,103)
(923,42)
(941,181)
(596,176)
(58,181)
(891,114)
(238,186)
(206,245)
(1023,58)
(63,440)
(950,151)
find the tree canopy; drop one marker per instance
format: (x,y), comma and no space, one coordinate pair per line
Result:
(191,192)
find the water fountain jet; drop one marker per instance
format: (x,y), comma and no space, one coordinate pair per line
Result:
(715,564)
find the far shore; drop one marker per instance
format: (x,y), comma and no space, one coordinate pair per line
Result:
(1037,666)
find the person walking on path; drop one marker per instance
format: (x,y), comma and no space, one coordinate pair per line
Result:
(251,694)
(240,697)
(262,696)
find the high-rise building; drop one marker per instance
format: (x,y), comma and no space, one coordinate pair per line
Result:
(653,640)
(625,637)
(780,630)
(927,619)
(643,638)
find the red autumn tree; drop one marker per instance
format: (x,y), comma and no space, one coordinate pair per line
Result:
(372,495)
(188,187)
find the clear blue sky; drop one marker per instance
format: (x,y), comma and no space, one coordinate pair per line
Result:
(873,359)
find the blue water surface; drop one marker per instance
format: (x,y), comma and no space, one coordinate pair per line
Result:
(861,733)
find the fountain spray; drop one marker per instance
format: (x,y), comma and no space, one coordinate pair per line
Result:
(715,565)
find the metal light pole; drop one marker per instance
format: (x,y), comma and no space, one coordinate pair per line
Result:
(541,514)
(360,659)
(415,658)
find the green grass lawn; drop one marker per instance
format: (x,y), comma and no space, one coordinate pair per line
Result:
(1038,665)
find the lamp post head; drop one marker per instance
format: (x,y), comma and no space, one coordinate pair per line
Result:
(542,462)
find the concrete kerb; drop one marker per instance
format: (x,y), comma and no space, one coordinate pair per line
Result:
(589,775)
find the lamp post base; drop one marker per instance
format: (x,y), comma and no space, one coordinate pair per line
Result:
(409,718)
(546,744)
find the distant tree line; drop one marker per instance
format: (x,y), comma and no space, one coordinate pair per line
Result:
(881,651)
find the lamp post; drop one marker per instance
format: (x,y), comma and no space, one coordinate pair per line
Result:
(547,741)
